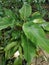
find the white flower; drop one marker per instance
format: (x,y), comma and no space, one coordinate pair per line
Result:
(16,54)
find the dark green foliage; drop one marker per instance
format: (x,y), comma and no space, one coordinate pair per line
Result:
(23,30)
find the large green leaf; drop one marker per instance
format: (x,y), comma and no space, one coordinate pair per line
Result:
(25,11)
(29,50)
(36,34)
(8,20)
(5,22)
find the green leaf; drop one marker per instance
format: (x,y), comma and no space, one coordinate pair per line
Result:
(10,49)
(8,54)
(37,18)
(1,10)
(45,26)
(18,61)
(36,34)
(2,59)
(36,15)
(10,45)
(9,13)
(28,48)
(25,11)
(5,22)
(15,34)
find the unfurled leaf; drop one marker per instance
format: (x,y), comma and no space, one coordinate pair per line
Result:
(36,34)
(10,50)
(29,49)
(10,45)
(5,22)
(25,11)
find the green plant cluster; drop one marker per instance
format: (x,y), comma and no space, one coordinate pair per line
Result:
(21,30)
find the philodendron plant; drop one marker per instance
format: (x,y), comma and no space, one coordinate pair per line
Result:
(23,35)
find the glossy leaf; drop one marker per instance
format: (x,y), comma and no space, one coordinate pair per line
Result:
(36,34)
(39,20)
